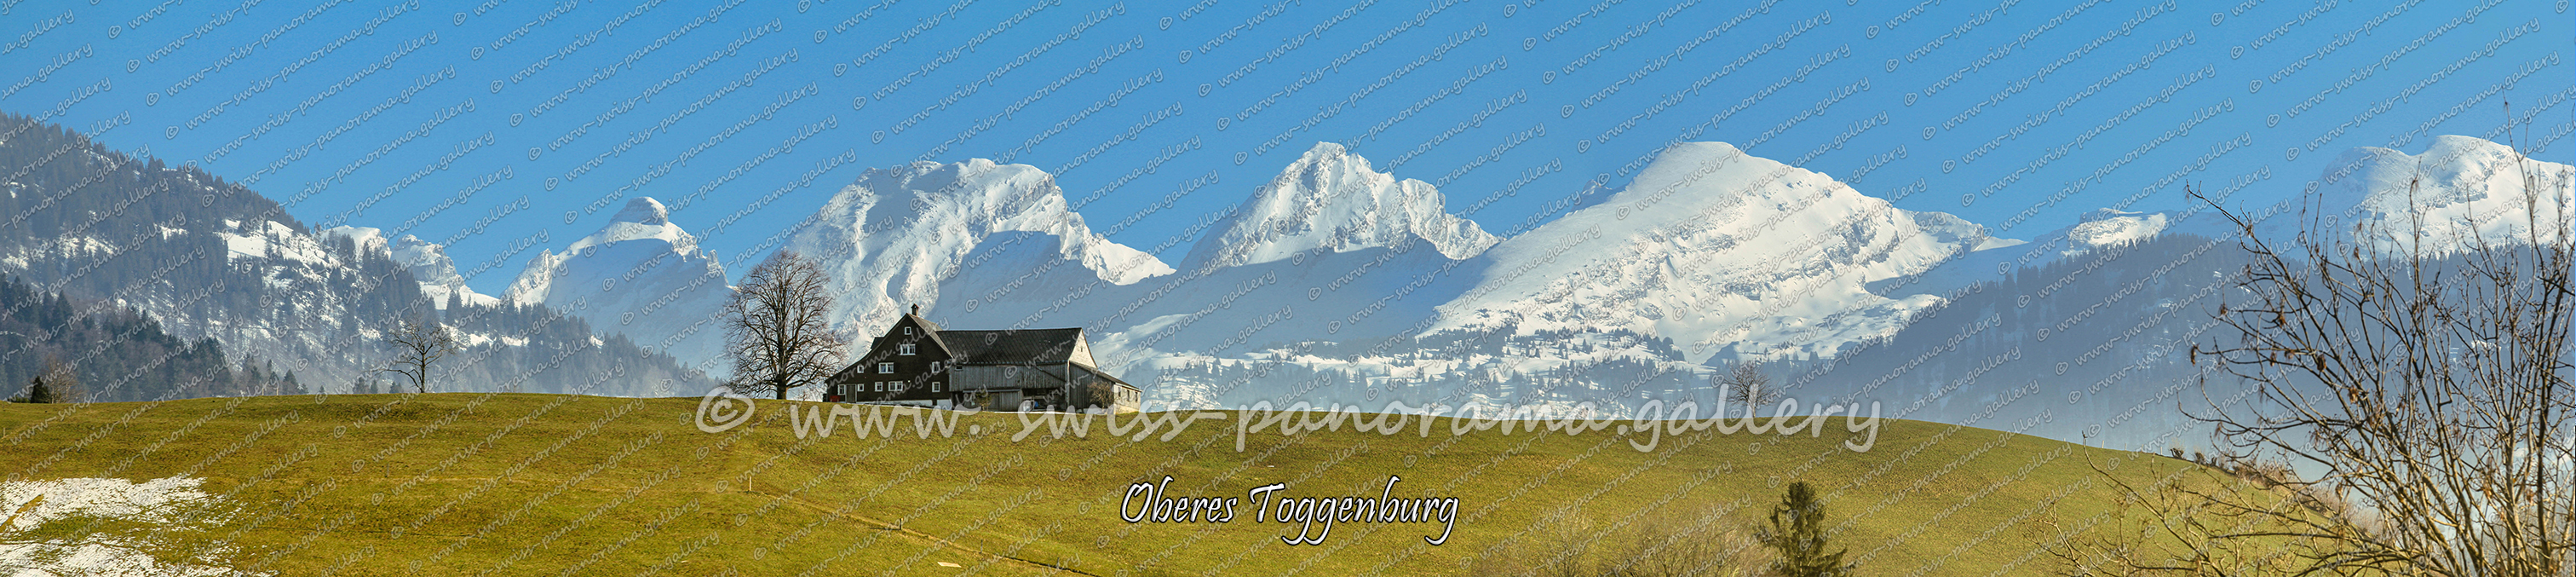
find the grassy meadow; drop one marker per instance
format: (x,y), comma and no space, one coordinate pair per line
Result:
(526,484)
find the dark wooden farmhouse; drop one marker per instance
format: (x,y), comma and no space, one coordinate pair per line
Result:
(917,363)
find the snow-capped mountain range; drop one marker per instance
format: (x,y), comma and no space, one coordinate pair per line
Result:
(1330,282)
(1335,281)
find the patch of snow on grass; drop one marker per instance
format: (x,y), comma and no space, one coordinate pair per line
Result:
(101,497)
(32,504)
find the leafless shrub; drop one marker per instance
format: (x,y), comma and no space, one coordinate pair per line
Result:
(1653,545)
(2424,381)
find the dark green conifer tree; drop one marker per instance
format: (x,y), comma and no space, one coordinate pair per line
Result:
(1797,532)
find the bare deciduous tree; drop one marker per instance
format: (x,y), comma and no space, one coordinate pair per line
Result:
(1747,385)
(2424,382)
(777,330)
(418,345)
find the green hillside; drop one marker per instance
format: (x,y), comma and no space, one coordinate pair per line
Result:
(521,484)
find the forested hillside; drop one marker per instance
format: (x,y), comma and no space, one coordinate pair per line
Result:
(115,353)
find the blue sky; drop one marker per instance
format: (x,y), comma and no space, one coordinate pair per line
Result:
(481,125)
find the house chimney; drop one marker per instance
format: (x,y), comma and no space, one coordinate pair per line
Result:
(916,309)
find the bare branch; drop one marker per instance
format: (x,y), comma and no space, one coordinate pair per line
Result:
(2427,376)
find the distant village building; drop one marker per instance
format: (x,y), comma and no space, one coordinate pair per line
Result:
(917,363)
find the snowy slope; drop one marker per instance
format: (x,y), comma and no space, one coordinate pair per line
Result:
(1364,294)
(269,239)
(2100,229)
(960,239)
(2111,227)
(1329,199)
(640,275)
(1721,251)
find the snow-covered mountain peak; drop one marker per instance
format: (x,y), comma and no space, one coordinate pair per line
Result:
(2451,170)
(641,275)
(1722,251)
(2461,186)
(896,235)
(644,210)
(642,219)
(1330,199)
(428,260)
(979,197)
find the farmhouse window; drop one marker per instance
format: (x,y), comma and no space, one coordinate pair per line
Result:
(906,348)
(885,368)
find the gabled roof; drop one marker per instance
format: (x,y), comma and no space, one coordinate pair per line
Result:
(1009,347)
(925,323)
(932,329)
